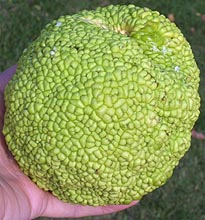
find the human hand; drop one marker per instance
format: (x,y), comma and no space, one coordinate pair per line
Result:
(20,197)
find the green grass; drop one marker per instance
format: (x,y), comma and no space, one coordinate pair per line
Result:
(182,197)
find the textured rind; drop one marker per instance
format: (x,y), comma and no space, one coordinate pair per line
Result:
(102,104)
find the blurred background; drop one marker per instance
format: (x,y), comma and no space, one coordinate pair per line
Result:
(183,196)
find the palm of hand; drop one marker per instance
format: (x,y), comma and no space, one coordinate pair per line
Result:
(22,196)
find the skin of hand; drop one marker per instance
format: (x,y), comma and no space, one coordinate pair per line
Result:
(20,197)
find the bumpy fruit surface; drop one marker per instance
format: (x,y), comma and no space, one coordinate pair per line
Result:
(102,104)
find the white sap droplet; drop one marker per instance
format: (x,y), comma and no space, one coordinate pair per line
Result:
(58,24)
(52,52)
(164,50)
(154,48)
(176,68)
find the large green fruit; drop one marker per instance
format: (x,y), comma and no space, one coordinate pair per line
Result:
(101,108)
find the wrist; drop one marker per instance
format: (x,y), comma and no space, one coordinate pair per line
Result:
(10,200)
(2,201)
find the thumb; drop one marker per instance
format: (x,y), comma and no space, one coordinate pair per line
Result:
(6,76)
